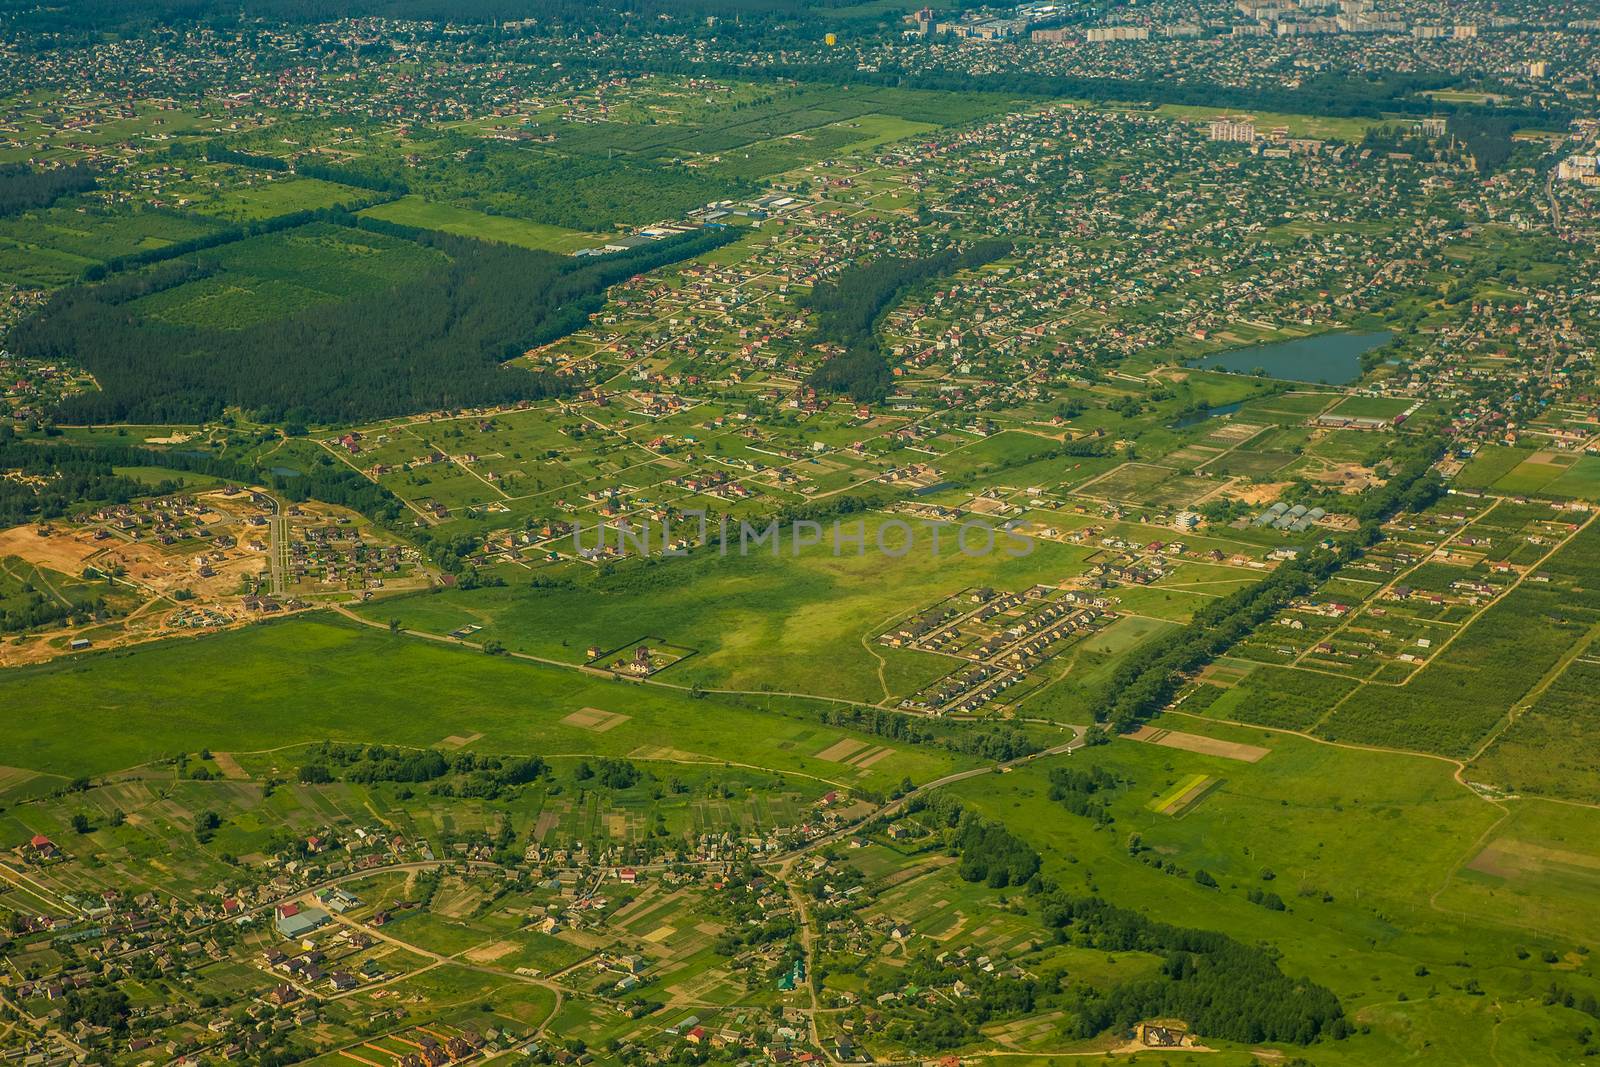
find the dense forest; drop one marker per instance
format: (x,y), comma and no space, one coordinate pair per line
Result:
(22,188)
(1487,137)
(1220,987)
(439,341)
(848,309)
(352,176)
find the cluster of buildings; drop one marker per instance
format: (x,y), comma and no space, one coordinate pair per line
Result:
(1296,519)
(1289,18)
(988,24)
(1582,168)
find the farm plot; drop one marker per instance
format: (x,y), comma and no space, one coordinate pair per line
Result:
(1210,746)
(1539,869)
(1550,749)
(1489,464)
(1536,472)
(1144,483)
(1451,705)
(1277,696)
(1287,408)
(1183,796)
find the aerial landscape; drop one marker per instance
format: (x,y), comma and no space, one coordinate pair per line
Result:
(822,532)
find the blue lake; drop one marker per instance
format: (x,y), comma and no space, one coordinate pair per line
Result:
(1334,358)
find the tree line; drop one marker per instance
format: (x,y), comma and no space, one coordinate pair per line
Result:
(353,176)
(1220,987)
(31,609)
(1083,793)
(216,239)
(55,479)
(999,744)
(480,775)
(987,851)
(1368,94)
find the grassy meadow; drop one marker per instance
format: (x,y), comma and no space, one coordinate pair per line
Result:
(1432,941)
(249,690)
(791,624)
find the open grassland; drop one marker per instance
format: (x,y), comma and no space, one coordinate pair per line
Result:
(791,624)
(247,691)
(1357,845)
(415,211)
(1539,870)
(258,198)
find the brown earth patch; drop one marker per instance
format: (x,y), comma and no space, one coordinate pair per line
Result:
(841,750)
(1208,746)
(229,766)
(490,953)
(596,720)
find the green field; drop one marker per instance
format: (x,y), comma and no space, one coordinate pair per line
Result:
(45,246)
(1358,845)
(758,623)
(268,199)
(140,706)
(415,211)
(815,781)
(264,278)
